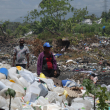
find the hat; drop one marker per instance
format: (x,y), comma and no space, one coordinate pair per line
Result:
(47,45)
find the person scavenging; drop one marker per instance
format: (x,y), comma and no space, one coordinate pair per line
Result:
(21,53)
(46,62)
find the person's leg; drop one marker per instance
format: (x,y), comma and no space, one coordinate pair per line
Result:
(51,73)
(46,73)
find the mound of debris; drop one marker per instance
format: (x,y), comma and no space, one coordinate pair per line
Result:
(36,46)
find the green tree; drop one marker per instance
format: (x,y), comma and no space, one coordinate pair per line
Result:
(34,14)
(24,30)
(37,27)
(98,92)
(79,14)
(4,27)
(104,15)
(11,93)
(53,11)
(27,18)
(8,31)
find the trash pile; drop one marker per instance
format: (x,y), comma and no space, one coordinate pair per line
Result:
(40,93)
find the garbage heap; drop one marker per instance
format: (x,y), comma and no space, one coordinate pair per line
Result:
(40,93)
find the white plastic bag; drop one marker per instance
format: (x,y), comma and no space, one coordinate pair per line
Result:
(3,102)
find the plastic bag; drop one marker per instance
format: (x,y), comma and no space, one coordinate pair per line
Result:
(3,102)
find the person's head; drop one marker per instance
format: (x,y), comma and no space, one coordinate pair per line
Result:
(47,47)
(21,42)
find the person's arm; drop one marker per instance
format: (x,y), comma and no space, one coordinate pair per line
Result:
(14,57)
(39,65)
(27,56)
(54,66)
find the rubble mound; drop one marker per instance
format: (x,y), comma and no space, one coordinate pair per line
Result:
(37,46)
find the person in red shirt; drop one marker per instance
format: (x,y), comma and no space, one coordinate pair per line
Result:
(47,62)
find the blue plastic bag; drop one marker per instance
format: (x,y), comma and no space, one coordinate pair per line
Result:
(64,82)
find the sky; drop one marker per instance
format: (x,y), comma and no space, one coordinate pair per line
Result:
(14,9)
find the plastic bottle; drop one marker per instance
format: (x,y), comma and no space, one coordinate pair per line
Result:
(42,101)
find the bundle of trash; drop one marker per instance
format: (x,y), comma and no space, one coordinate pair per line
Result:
(40,93)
